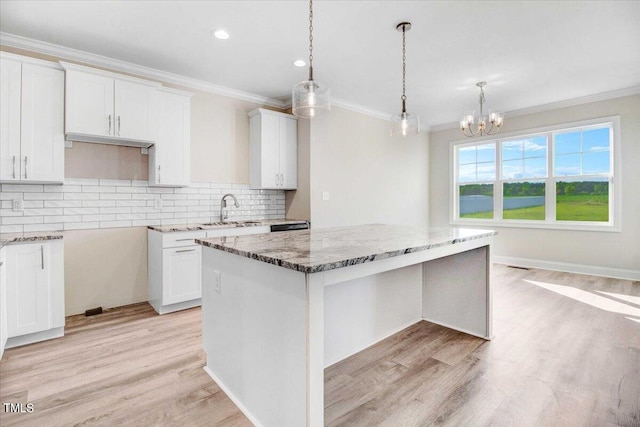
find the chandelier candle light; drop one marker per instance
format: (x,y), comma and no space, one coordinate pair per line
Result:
(310,98)
(404,123)
(496,118)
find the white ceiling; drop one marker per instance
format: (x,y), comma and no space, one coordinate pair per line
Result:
(531,53)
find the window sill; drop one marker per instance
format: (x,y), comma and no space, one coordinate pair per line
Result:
(570,226)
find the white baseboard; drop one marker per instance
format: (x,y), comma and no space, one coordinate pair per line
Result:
(230,395)
(592,270)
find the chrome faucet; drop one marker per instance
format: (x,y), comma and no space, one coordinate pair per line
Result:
(223,204)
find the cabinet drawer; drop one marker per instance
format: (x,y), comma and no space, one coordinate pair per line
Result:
(186,238)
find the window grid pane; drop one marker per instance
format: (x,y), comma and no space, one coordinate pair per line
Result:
(579,156)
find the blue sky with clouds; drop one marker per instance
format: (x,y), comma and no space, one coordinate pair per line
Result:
(576,153)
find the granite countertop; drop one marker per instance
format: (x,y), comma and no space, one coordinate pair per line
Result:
(7,238)
(312,251)
(219,225)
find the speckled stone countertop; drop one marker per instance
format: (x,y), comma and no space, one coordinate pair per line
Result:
(218,225)
(312,251)
(7,238)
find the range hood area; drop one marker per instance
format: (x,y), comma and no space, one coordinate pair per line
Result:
(110,108)
(78,137)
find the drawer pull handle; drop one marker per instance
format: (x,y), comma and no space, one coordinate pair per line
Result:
(186,250)
(14,167)
(184,240)
(42,257)
(25,167)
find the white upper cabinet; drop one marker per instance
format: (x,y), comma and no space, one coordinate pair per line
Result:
(90,104)
(274,144)
(170,157)
(32,117)
(109,108)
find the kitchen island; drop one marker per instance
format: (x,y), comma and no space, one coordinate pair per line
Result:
(279,308)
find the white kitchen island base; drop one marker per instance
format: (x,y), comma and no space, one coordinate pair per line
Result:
(268,333)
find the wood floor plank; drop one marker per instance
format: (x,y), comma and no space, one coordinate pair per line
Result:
(554,361)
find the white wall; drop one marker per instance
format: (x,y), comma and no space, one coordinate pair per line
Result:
(606,253)
(370,176)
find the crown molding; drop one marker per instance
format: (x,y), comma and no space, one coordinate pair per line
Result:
(91,59)
(620,93)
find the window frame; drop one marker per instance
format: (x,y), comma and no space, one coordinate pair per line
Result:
(550,222)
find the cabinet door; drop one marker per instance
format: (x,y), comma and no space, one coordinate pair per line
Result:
(135,109)
(42,139)
(170,161)
(288,153)
(10,87)
(270,147)
(89,104)
(29,288)
(182,274)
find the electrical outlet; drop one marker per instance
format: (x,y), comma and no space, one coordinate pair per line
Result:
(325,195)
(157,203)
(218,282)
(17,205)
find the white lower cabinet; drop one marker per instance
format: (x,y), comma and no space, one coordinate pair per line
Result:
(175,266)
(35,291)
(182,274)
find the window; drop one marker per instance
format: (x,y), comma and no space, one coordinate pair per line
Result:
(559,177)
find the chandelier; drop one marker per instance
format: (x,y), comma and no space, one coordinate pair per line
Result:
(310,98)
(495,119)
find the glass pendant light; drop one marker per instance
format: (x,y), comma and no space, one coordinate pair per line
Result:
(404,123)
(310,98)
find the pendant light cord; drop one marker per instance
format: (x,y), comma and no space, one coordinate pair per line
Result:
(311,40)
(404,70)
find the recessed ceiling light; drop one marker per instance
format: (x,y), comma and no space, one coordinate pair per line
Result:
(221,34)
(299,63)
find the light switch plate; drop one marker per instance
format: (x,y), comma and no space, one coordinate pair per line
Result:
(157,203)
(218,281)
(17,205)
(325,195)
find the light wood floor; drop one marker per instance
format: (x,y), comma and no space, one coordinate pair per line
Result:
(556,360)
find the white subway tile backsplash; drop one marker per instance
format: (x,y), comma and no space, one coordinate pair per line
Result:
(58,203)
(43,211)
(114,224)
(81,225)
(42,196)
(81,181)
(11,228)
(98,203)
(21,220)
(101,217)
(81,196)
(62,188)
(28,228)
(118,210)
(131,189)
(23,188)
(9,196)
(81,211)
(106,203)
(63,218)
(98,189)
(116,182)
(115,196)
